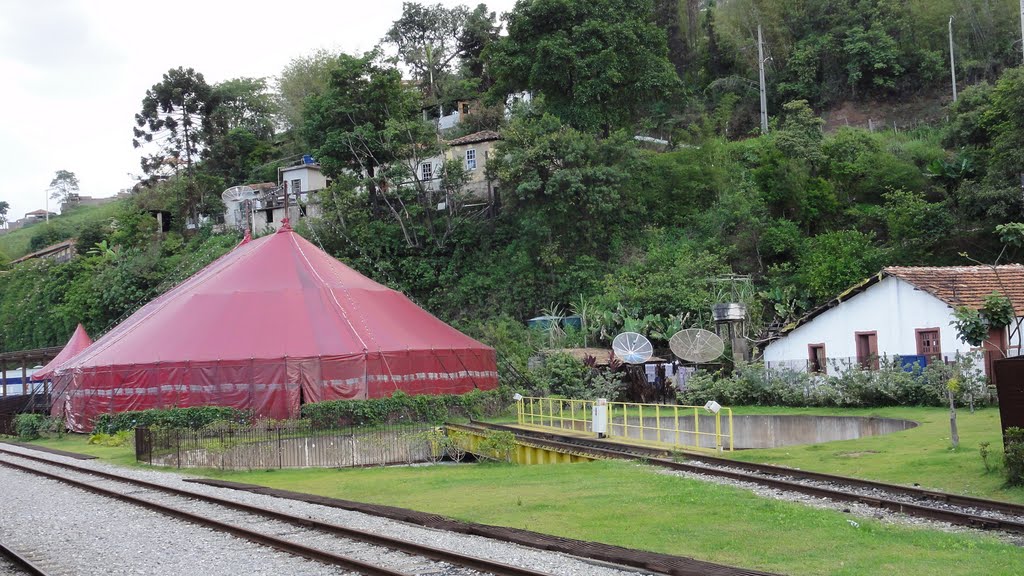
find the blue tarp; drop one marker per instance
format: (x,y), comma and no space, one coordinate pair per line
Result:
(910,363)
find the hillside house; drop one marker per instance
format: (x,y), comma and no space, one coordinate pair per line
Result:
(474,151)
(301,182)
(30,218)
(901,311)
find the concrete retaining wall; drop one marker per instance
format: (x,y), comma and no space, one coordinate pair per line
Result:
(759,431)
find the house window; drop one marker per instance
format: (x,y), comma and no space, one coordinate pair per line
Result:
(471,159)
(426,171)
(296,187)
(816,359)
(928,342)
(867,350)
(302,210)
(270,215)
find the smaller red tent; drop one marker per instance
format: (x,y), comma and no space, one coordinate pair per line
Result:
(79,341)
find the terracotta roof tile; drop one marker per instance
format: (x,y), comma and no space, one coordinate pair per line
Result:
(481,136)
(966,285)
(954,285)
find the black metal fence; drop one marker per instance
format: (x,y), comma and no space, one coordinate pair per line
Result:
(294,444)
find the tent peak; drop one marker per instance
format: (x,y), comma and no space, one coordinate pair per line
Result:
(285,226)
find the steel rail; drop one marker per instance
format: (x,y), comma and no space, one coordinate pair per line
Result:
(438,554)
(20,561)
(756,473)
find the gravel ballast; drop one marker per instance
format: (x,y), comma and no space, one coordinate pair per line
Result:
(96,535)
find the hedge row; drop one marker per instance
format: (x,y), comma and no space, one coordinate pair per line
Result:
(403,407)
(193,418)
(399,407)
(891,384)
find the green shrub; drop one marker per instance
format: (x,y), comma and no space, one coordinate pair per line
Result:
(847,385)
(401,406)
(498,445)
(1013,456)
(30,426)
(564,376)
(119,438)
(194,418)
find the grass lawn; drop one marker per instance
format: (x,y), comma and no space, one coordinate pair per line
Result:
(922,455)
(636,506)
(15,244)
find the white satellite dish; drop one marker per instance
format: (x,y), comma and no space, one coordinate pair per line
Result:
(238,194)
(632,348)
(696,345)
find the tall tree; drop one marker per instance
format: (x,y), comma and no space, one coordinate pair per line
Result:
(175,114)
(302,78)
(354,124)
(239,134)
(480,30)
(599,64)
(4,207)
(666,14)
(63,186)
(427,41)
(244,103)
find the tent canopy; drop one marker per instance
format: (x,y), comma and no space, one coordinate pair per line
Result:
(79,341)
(272,324)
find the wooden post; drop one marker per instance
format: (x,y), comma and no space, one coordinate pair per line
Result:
(3,376)
(24,376)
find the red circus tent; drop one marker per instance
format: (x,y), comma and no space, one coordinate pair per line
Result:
(270,325)
(79,341)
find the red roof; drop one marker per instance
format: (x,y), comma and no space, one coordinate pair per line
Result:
(955,285)
(79,341)
(271,324)
(966,285)
(481,136)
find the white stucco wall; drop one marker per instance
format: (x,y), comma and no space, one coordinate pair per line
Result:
(309,175)
(893,308)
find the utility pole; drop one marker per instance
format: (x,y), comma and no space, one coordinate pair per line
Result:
(760,73)
(952,62)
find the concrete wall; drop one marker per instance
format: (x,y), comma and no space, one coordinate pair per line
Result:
(309,175)
(758,431)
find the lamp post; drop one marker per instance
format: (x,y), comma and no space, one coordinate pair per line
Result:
(952,62)
(760,73)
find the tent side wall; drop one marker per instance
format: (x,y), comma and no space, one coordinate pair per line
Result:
(269,388)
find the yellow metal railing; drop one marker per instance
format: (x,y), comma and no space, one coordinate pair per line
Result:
(691,427)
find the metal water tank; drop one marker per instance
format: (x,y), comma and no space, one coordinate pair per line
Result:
(729,311)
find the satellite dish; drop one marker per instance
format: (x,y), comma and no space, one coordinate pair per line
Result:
(238,194)
(632,348)
(696,345)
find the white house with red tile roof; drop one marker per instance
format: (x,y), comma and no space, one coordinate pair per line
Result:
(901,311)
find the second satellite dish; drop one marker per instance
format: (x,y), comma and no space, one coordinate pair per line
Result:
(632,348)
(238,194)
(696,345)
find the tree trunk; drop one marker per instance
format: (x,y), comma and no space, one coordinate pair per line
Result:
(953,434)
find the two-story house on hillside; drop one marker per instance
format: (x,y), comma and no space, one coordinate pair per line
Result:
(301,182)
(901,311)
(473,152)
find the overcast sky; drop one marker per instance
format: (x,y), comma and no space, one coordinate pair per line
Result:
(75,72)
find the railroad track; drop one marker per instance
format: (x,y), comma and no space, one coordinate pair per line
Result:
(944,507)
(402,557)
(637,561)
(18,563)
